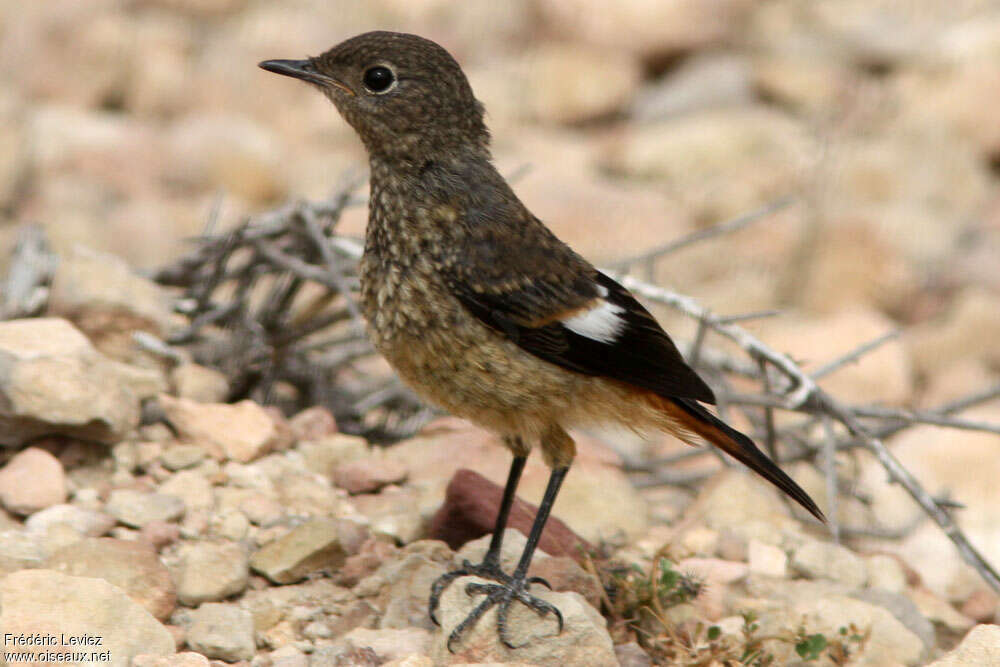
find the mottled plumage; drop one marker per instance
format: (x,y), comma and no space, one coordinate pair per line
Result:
(477,305)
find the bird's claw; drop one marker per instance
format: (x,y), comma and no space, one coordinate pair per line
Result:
(502,595)
(488,569)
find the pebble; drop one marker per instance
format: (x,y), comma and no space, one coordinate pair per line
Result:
(312,546)
(31,481)
(368,475)
(84,521)
(827,560)
(212,571)
(222,631)
(138,508)
(46,602)
(132,566)
(178,457)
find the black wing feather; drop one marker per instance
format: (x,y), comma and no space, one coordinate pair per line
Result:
(641,354)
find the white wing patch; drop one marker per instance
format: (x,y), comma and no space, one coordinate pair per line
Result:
(601,323)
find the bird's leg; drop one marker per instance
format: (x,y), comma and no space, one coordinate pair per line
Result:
(515,587)
(490,567)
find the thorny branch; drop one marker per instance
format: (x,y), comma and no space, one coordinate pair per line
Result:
(271,303)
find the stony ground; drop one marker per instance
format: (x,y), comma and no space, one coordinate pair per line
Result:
(140,508)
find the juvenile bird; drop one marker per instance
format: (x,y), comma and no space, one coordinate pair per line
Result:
(481,309)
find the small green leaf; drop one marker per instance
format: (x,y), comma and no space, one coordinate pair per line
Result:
(714,633)
(810,647)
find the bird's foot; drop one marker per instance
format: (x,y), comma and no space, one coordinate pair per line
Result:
(501,594)
(488,569)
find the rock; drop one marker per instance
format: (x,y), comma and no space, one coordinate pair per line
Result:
(646,27)
(885,573)
(31,481)
(741,506)
(20,550)
(470,510)
(199,383)
(703,81)
(211,572)
(753,156)
(885,375)
(716,575)
(313,424)
(401,586)
(905,612)
(221,631)
(84,521)
(944,460)
(392,513)
(312,546)
(48,602)
(178,457)
(324,454)
(186,659)
(372,553)
(261,510)
(936,610)
(368,475)
(55,382)
(981,606)
(583,641)
(767,560)
(231,152)
(890,642)
(131,566)
(826,560)
(240,432)
(101,294)
(390,644)
(191,487)
(230,524)
(559,82)
(971,324)
(289,656)
(632,655)
(980,648)
(136,508)
(159,534)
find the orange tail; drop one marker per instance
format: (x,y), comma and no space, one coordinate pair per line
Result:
(692,417)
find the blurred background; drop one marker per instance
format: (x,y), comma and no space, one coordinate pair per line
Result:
(122,121)
(629,124)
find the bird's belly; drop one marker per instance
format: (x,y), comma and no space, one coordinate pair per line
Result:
(454,361)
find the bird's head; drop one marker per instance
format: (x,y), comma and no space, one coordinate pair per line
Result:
(401,93)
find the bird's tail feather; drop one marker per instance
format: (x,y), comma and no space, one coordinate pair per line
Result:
(690,416)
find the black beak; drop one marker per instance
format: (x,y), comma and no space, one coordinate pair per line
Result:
(303,69)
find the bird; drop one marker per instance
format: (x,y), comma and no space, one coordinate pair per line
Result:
(483,311)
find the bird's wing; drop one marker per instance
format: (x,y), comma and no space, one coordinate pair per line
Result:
(552,303)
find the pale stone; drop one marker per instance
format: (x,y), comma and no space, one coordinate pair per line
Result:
(31,481)
(47,602)
(90,287)
(241,432)
(767,560)
(221,631)
(827,560)
(132,566)
(137,508)
(54,381)
(199,384)
(211,572)
(980,648)
(309,547)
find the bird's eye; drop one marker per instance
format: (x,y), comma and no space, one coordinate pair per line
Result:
(378,79)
